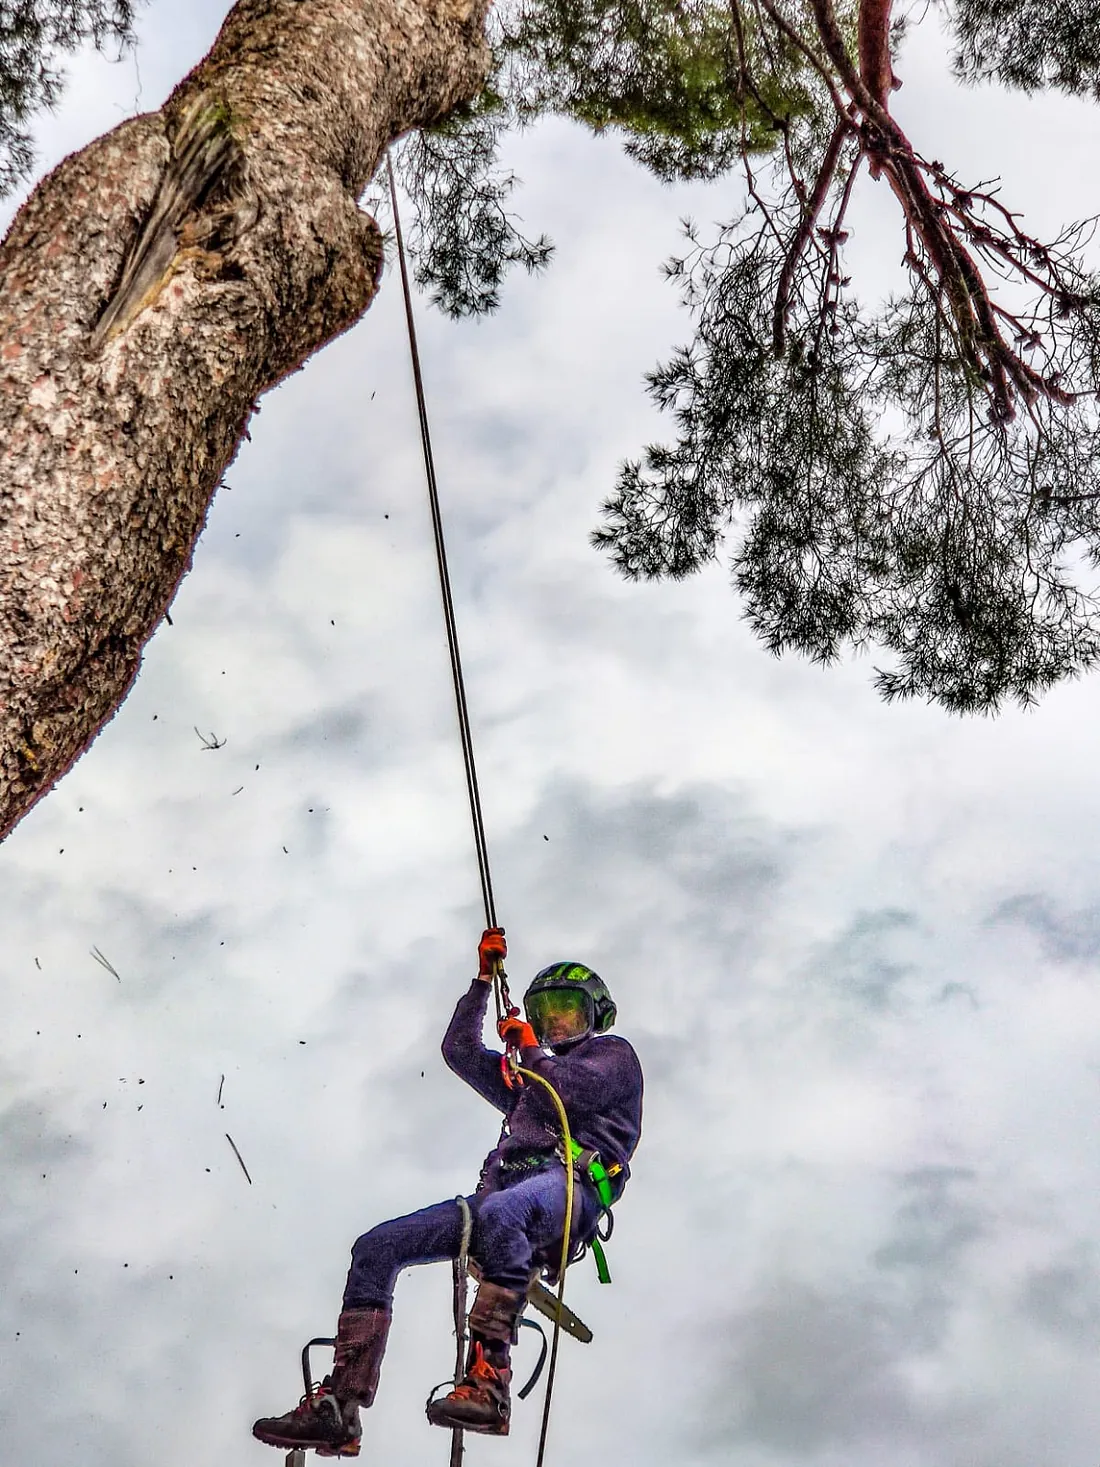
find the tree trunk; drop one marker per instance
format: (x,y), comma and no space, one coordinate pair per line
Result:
(152,287)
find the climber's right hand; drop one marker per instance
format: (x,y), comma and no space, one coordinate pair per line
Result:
(491,952)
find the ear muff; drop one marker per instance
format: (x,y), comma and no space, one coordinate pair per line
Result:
(606,1019)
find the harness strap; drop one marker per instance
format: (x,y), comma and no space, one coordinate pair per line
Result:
(587,1161)
(603,1273)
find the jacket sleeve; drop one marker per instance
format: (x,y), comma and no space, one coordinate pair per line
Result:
(594,1085)
(466,1054)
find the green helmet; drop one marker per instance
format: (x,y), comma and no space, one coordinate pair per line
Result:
(575,977)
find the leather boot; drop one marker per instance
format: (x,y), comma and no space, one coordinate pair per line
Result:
(327,1421)
(482,1401)
(361,1336)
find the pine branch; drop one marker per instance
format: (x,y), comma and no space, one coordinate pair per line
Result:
(810,215)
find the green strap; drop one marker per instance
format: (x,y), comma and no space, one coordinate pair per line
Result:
(603,1273)
(598,1175)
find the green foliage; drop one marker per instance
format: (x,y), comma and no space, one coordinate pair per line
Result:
(867,496)
(1029,44)
(921,478)
(31,34)
(463,240)
(671,76)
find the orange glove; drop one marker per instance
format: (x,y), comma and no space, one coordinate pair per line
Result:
(517,1033)
(491,949)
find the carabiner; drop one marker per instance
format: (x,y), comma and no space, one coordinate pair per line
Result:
(509,1069)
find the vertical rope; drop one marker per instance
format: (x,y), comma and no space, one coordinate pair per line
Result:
(566,1239)
(459,1267)
(500,987)
(472,790)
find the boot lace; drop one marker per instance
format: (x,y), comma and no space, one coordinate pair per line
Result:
(321,1398)
(481,1377)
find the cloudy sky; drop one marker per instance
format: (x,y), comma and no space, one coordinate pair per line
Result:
(857,947)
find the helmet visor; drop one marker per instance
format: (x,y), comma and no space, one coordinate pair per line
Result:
(559,1014)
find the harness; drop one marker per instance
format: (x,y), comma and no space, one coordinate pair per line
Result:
(587,1165)
(587,1161)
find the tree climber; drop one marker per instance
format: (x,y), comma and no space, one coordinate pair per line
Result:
(518,1209)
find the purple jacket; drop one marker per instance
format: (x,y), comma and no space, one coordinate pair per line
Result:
(599,1081)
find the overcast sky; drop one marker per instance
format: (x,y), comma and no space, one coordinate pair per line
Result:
(856,946)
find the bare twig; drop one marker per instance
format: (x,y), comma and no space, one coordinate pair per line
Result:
(801,44)
(239,1157)
(810,214)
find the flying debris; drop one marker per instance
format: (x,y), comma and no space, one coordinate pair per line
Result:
(105,963)
(239,1157)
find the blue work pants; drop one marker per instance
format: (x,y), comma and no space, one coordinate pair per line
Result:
(512,1230)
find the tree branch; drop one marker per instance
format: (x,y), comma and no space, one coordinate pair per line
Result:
(801,44)
(811,211)
(874,49)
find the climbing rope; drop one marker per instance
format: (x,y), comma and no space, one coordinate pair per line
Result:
(500,981)
(567,1149)
(459,1267)
(472,790)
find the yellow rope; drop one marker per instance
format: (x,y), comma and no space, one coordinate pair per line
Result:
(567,1144)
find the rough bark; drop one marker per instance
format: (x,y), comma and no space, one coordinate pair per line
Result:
(153,286)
